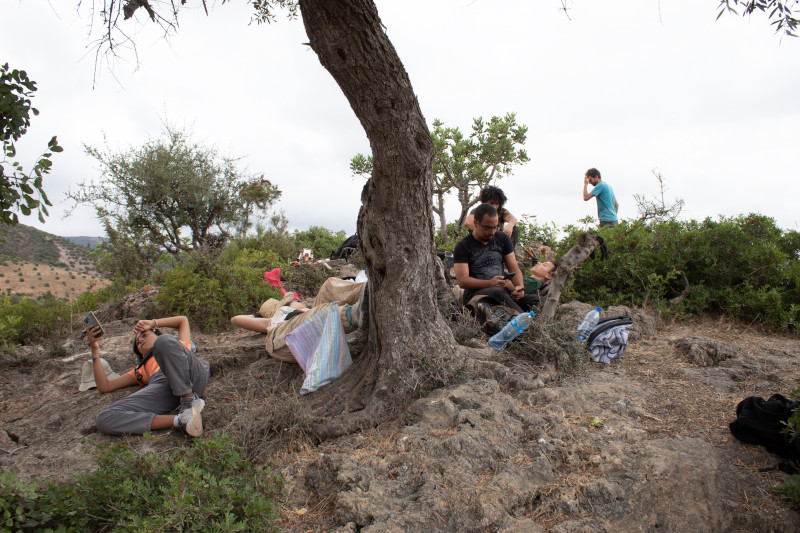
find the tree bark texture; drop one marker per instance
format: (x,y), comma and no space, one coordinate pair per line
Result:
(395,224)
(568,262)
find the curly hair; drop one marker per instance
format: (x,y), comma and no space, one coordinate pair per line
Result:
(493,194)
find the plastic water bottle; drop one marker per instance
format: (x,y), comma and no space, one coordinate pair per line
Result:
(589,323)
(519,324)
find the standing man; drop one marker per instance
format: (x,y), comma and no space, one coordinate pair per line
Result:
(479,259)
(607,205)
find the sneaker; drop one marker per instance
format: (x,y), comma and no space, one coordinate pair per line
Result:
(191,420)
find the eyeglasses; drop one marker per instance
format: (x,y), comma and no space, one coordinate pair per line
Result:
(490,228)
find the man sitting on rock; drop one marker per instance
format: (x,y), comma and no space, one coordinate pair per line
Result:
(479,260)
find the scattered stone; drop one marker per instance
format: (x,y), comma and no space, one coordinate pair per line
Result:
(702,351)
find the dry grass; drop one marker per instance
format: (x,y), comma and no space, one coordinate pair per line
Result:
(35,279)
(263,413)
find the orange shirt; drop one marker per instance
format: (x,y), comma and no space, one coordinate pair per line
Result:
(150,367)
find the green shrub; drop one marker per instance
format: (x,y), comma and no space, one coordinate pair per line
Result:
(322,240)
(530,230)
(791,490)
(204,487)
(307,279)
(210,289)
(39,317)
(451,239)
(745,267)
(277,241)
(9,331)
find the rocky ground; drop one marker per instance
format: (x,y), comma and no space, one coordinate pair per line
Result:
(639,445)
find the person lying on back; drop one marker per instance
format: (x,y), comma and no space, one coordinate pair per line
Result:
(170,375)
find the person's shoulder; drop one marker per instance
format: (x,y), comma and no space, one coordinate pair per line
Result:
(465,241)
(502,238)
(461,250)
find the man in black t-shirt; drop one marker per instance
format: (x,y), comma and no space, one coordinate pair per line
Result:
(479,259)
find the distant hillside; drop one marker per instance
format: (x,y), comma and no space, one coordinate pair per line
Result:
(31,244)
(89,242)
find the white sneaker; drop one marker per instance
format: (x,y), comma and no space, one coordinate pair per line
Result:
(191,420)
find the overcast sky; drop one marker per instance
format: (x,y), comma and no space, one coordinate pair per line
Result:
(625,86)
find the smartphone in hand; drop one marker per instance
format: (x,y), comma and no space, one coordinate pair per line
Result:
(90,320)
(509,275)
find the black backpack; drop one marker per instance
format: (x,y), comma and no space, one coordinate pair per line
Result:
(760,421)
(348,247)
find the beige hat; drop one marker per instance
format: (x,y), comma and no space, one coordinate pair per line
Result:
(269,307)
(87,374)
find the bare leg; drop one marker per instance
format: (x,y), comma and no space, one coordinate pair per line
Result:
(251,322)
(162,422)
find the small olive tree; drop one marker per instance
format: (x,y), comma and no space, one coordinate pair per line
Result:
(173,193)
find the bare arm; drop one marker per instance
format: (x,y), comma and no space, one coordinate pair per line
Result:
(616,205)
(511,222)
(181,323)
(586,194)
(253,323)
(469,222)
(101,380)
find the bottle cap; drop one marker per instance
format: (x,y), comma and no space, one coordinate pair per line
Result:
(598,309)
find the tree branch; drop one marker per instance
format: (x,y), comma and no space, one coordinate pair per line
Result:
(574,257)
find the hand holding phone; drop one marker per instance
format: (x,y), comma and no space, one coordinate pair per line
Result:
(91,321)
(509,275)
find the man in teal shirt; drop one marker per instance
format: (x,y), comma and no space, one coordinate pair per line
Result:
(607,204)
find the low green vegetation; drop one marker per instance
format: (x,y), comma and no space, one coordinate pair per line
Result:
(745,267)
(210,287)
(207,486)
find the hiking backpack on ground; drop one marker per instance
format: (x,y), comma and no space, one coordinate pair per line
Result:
(348,247)
(760,421)
(609,338)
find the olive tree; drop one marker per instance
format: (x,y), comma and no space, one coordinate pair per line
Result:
(172,192)
(464,164)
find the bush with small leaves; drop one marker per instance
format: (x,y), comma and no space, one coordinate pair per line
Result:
(207,486)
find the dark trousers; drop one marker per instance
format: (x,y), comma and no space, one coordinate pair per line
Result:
(502,296)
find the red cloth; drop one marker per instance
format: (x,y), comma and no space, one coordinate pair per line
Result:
(273,277)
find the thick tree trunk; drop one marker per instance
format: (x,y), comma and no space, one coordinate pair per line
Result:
(394,225)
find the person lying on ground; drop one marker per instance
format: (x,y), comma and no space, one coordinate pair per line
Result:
(479,259)
(538,283)
(279,318)
(170,375)
(495,197)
